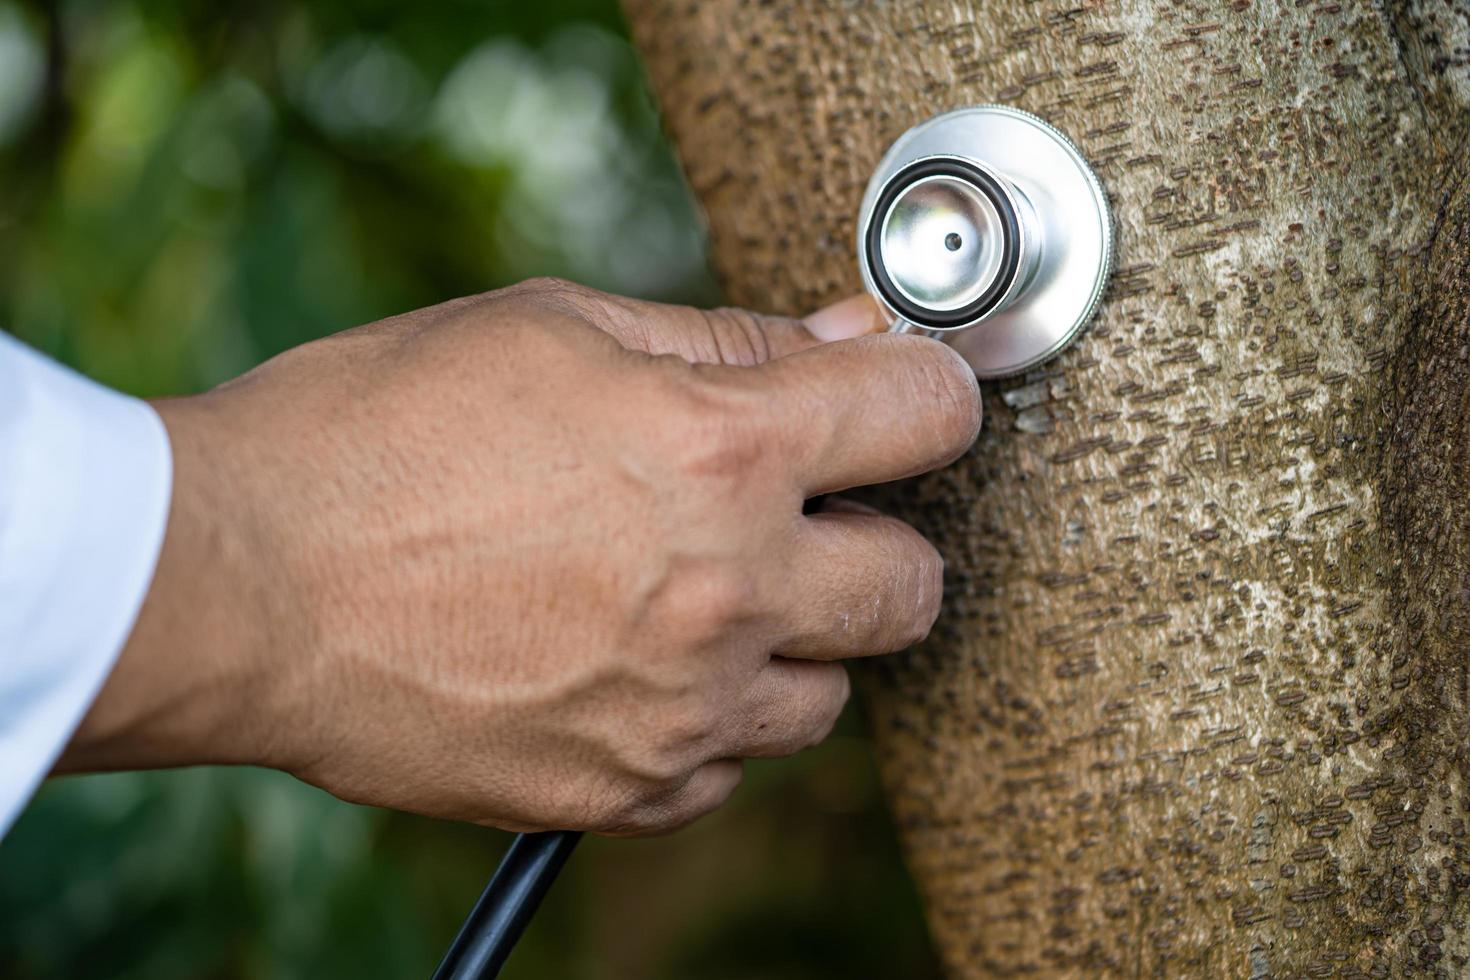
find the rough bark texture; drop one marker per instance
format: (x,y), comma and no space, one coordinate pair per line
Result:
(1200,700)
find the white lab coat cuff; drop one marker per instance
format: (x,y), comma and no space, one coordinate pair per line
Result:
(85,480)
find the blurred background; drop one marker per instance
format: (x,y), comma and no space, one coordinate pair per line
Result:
(190,187)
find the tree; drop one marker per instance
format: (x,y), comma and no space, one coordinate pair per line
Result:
(1200,699)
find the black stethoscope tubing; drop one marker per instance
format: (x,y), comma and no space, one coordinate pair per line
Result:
(490,931)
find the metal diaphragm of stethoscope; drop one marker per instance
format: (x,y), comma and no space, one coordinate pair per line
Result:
(985,228)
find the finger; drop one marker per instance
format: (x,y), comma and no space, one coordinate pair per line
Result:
(864,584)
(846,319)
(870,410)
(721,336)
(702,793)
(792,705)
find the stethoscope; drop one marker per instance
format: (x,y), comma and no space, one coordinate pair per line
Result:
(984,228)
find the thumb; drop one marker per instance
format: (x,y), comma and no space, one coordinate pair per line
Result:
(739,337)
(729,335)
(856,316)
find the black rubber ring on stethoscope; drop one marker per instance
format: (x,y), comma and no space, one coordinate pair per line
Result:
(1010,261)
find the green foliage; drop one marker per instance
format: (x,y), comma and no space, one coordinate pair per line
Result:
(191,187)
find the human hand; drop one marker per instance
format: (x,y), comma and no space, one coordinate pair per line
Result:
(537,558)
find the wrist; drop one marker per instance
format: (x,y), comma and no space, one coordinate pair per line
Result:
(192,684)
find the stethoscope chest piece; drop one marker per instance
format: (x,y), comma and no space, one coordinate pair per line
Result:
(986,228)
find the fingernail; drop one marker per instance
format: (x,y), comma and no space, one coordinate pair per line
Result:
(855,316)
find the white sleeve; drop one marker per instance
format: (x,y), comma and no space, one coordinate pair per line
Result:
(85,479)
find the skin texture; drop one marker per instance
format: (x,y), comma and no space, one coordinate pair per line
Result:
(1197,702)
(534,559)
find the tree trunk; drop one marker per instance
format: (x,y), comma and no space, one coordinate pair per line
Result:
(1199,701)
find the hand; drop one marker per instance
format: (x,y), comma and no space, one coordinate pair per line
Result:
(536,558)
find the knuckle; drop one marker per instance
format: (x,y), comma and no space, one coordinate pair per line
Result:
(631,817)
(553,287)
(633,805)
(672,804)
(710,438)
(593,802)
(737,336)
(685,730)
(703,600)
(568,298)
(662,783)
(656,761)
(659,807)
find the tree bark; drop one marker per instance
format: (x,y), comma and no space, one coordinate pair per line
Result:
(1199,702)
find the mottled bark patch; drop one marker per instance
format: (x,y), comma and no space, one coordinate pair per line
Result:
(1422,900)
(1197,701)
